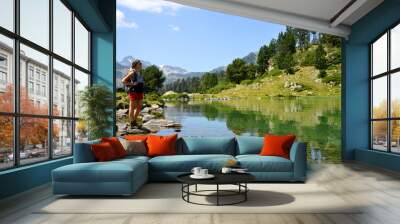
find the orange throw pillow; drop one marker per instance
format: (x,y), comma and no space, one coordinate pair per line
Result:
(277,145)
(116,145)
(103,152)
(161,145)
(135,137)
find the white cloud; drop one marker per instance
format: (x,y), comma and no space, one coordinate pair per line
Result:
(174,28)
(154,6)
(123,22)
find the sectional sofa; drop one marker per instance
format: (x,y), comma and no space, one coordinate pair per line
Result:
(125,176)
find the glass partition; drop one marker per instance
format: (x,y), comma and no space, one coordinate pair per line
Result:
(34,21)
(7,14)
(385,92)
(81,45)
(62,30)
(39,91)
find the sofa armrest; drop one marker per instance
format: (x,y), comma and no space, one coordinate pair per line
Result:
(83,152)
(298,155)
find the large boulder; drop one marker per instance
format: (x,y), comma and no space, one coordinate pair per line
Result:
(155,106)
(294,86)
(147,117)
(146,110)
(122,112)
(158,110)
(157,124)
(135,131)
(169,93)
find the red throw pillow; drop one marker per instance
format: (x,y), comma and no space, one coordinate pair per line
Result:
(275,145)
(135,137)
(161,145)
(116,145)
(103,152)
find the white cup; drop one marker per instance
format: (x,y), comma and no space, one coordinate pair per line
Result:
(203,172)
(196,171)
(226,170)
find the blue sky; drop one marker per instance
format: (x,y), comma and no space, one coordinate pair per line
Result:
(197,40)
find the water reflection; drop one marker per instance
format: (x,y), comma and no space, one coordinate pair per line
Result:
(315,120)
(316,155)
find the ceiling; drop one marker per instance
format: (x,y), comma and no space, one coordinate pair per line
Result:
(326,16)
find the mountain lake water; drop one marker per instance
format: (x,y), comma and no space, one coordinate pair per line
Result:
(315,120)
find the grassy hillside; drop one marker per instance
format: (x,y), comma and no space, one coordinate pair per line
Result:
(304,82)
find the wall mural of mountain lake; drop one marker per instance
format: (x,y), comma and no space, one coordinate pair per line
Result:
(316,120)
(291,85)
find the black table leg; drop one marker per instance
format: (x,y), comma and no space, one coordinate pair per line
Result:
(217,194)
(182,190)
(188,190)
(220,193)
(245,193)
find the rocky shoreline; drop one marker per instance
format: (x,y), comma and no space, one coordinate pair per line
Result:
(151,120)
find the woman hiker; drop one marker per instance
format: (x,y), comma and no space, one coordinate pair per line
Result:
(134,82)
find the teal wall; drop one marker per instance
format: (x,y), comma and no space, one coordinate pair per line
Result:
(99,16)
(356,84)
(380,159)
(103,62)
(24,178)
(92,12)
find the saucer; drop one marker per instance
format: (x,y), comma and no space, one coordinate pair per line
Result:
(208,176)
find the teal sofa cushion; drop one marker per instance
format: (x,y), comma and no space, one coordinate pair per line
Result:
(298,155)
(206,145)
(249,145)
(257,163)
(112,171)
(132,158)
(83,152)
(118,177)
(93,172)
(185,163)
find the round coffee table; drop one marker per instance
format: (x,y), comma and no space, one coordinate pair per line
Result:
(238,179)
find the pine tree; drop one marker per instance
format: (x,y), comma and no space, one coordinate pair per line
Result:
(262,60)
(330,40)
(320,61)
(251,70)
(272,47)
(237,71)
(153,79)
(320,58)
(208,80)
(285,48)
(302,38)
(288,63)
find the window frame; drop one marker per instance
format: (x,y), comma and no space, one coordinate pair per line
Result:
(388,74)
(16,114)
